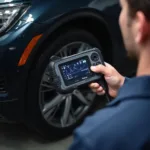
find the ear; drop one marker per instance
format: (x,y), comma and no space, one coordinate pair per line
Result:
(142,28)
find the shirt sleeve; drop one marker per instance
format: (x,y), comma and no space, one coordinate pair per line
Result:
(79,143)
(126,80)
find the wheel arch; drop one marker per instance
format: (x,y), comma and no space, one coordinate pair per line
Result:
(89,20)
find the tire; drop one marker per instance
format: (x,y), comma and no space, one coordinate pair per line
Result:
(34,115)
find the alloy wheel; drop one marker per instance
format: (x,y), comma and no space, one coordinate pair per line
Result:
(64,110)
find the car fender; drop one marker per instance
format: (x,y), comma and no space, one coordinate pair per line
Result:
(51,26)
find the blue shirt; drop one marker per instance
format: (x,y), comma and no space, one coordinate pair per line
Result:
(124,124)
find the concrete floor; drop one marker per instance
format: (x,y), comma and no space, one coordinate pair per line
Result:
(17,137)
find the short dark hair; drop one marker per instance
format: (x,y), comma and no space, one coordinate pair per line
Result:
(139,5)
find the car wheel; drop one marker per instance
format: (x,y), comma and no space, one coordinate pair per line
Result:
(54,115)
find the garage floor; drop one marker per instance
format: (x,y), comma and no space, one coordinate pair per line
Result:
(17,137)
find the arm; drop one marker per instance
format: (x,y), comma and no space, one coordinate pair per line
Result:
(126,79)
(112,128)
(79,143)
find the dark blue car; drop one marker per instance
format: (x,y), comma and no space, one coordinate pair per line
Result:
(31,31)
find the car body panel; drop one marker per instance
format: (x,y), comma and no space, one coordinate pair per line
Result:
(12,1)
(41,12)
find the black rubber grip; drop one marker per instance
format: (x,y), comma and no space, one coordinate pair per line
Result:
(104,85)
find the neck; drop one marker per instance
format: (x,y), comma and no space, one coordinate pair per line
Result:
(144,63)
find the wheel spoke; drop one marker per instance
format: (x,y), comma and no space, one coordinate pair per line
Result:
(57,100)
(47,86)
(71,119)
(80,96)
(44,90)
(83,111)
(50,114)
(83,47)
(67,109)
(61,54)
(70,52)
(64,52)
(90,95)
(46,77)
(78,110)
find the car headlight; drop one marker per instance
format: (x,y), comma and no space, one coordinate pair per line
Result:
(9,14)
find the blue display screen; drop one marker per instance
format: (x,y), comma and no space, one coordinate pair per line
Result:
(75,71)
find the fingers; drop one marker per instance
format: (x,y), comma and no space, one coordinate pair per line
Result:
(106,70)
(108,65)
(96,88)
(100,69)
(101,93)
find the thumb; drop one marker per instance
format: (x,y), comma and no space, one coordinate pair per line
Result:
(100,69)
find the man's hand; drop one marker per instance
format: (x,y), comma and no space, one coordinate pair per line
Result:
(113,78)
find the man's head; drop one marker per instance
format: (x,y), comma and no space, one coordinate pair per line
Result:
(135,25)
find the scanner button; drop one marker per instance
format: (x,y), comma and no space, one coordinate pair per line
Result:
(95,57)
(98,63)
(94,64)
